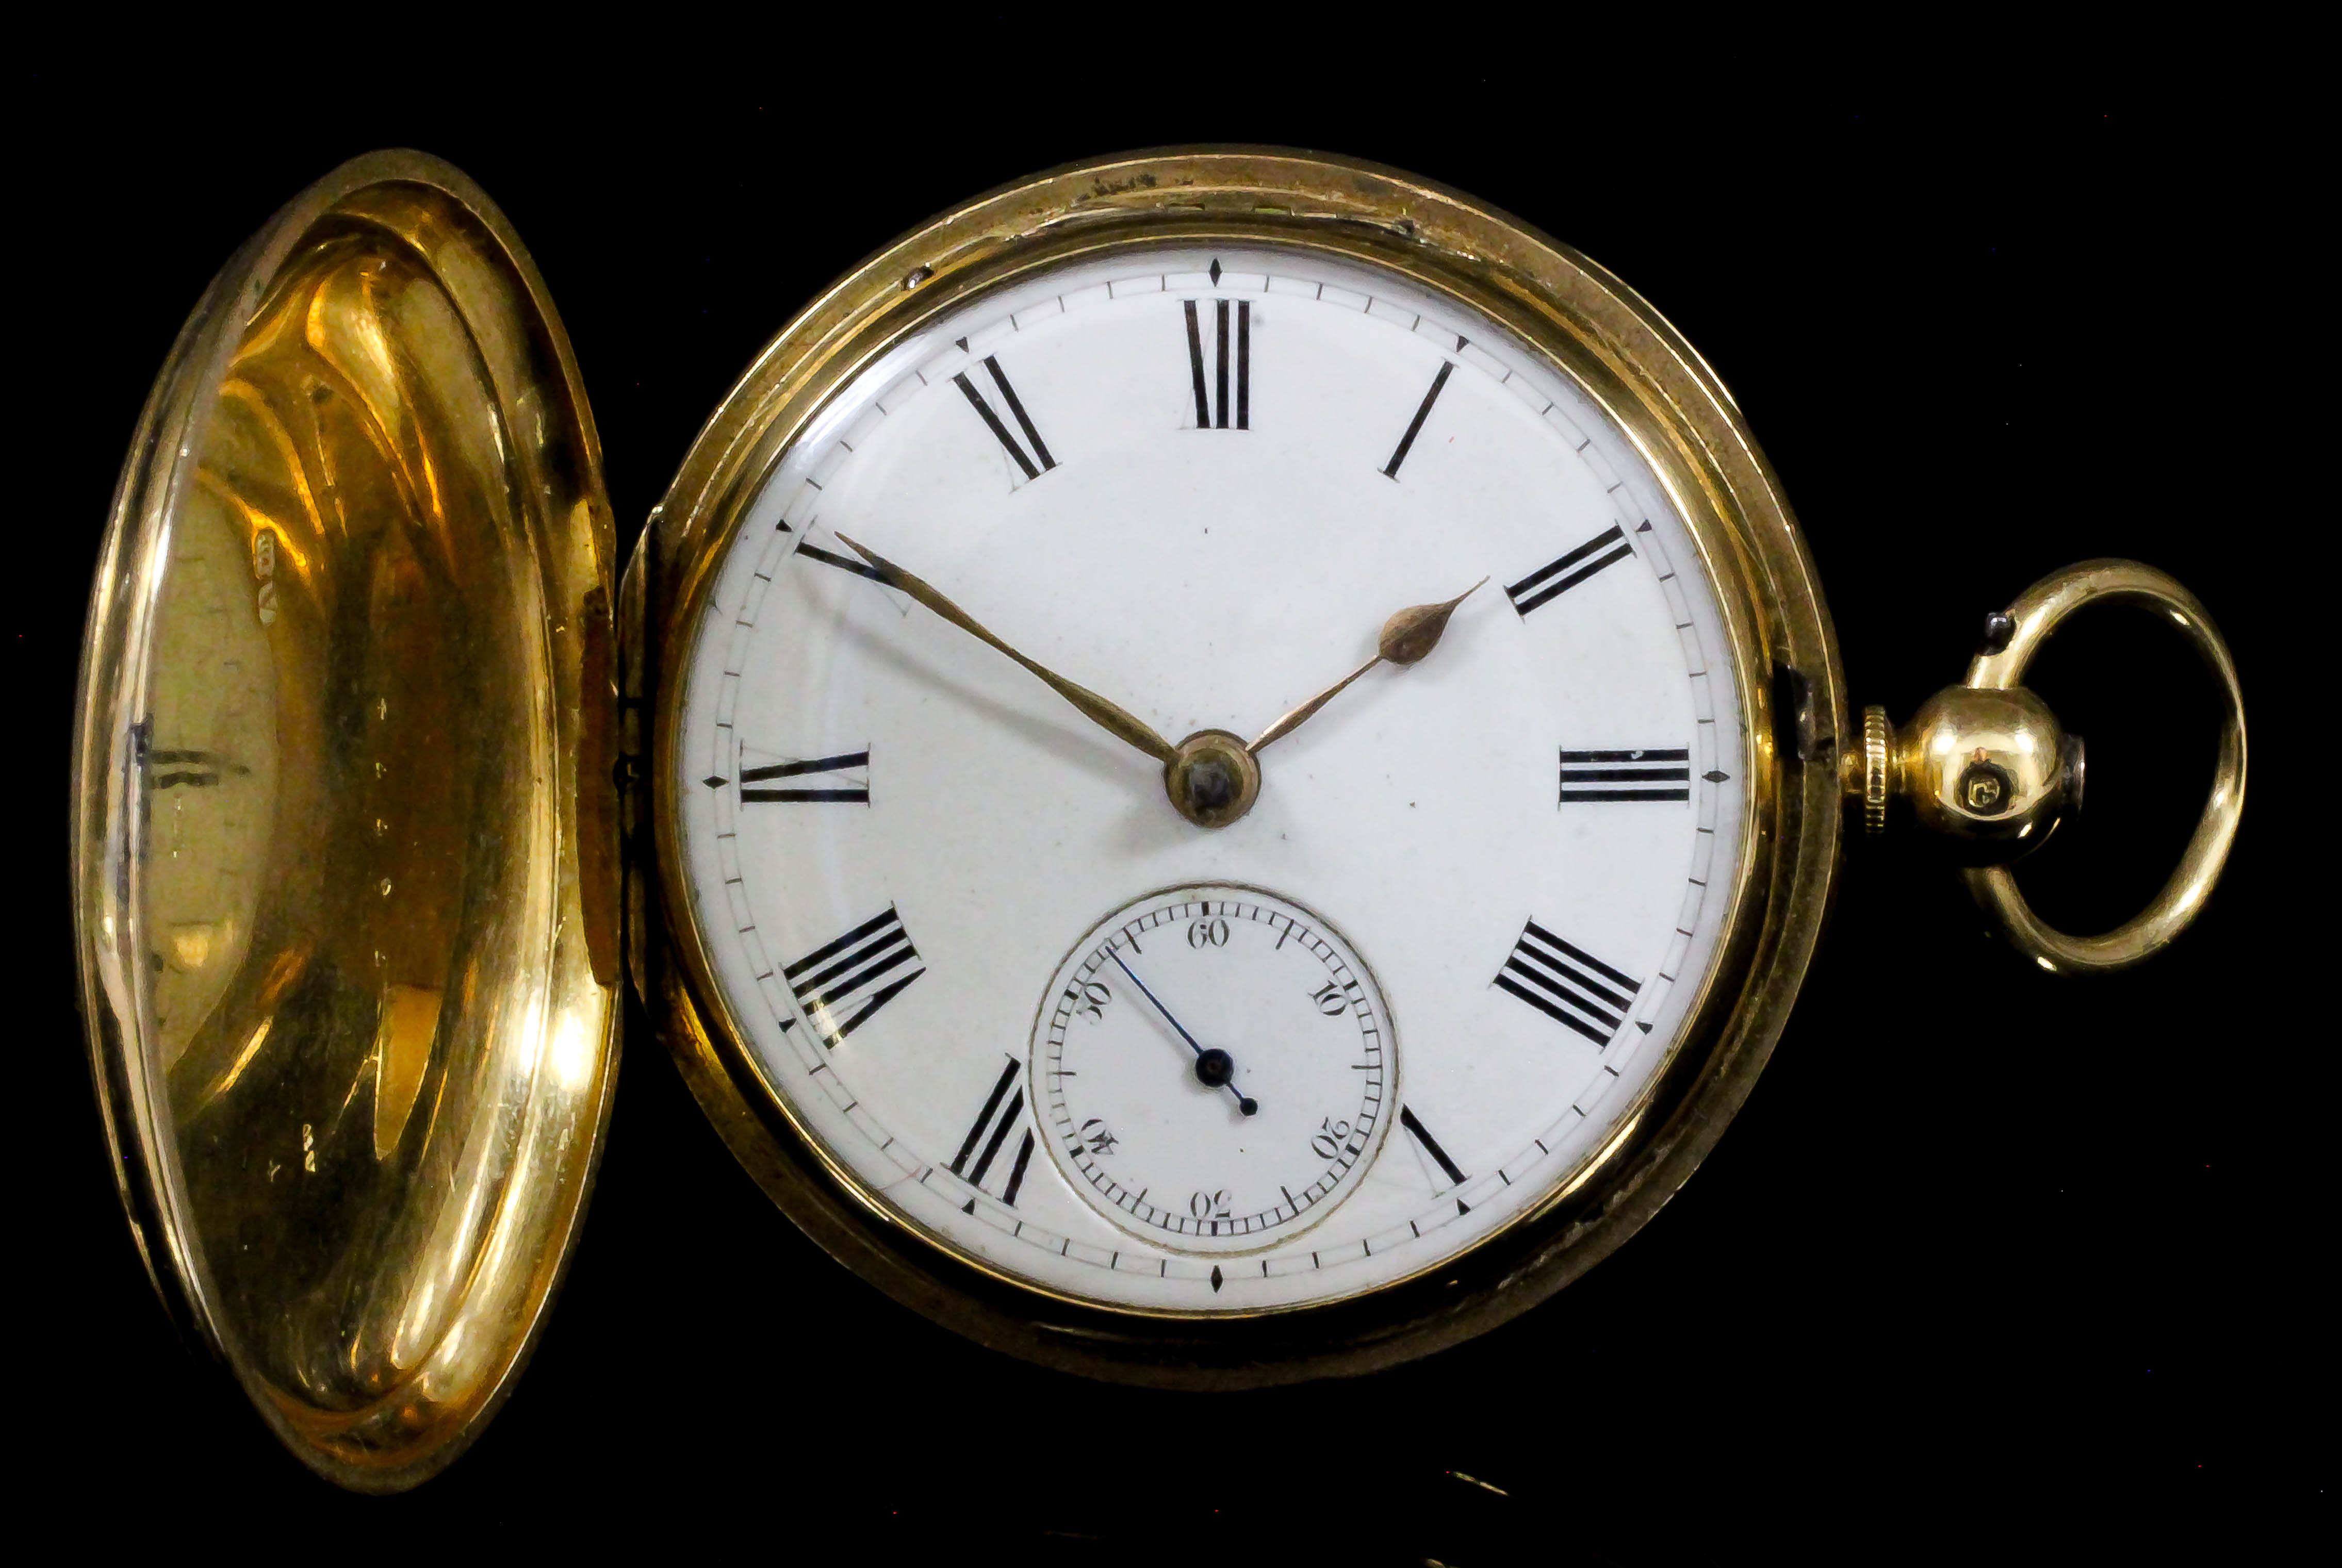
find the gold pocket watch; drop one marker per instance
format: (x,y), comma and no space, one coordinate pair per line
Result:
(1220,767)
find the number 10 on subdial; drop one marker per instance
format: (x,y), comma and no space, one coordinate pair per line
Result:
(1215,1062)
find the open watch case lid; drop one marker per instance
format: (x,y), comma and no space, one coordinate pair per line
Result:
(345,839)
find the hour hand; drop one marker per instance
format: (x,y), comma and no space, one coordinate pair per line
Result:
(1116,721)
(1406,637)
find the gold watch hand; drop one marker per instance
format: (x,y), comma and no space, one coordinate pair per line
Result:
(1115,720)
(1406,637)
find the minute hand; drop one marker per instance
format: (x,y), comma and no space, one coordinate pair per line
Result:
(1116,721)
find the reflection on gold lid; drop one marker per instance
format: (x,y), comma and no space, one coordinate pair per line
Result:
(333,860)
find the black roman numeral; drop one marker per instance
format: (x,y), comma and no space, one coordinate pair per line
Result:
(852,972)
(991,1130)
(1206,418)
(198,770)
(1608,548)
(1648,774)
(1437,1155)
(839,764)
(1568,985)
(1415,425)
(1040,452)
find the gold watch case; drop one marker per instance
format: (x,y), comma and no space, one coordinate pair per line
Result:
(1656,388)
(403,980)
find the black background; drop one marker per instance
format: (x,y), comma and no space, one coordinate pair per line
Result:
(1978,1240)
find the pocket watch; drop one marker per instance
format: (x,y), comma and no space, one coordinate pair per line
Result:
(1220,767)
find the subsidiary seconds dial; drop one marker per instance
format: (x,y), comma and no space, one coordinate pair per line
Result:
(1215,1063)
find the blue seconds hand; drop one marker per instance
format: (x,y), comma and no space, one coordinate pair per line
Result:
(1215,1068)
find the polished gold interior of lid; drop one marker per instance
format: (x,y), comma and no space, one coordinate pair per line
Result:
(348,889)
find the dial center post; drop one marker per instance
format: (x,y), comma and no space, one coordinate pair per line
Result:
(1212,778)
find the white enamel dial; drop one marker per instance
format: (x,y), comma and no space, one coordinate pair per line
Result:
(1213,1064)
(1197,482)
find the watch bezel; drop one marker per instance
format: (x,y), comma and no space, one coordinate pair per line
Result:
(1657,390)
